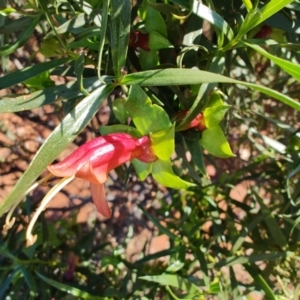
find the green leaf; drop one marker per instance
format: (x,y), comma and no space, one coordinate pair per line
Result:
(196,153)
(289,67)
(191,76)
(163,173)
(69,289)
(155,256)
(271,223)
(14,25)
(120,12)
(184,3)
(60,138)
(157,223)
(165,9)
(257,16)
(214,115)
(214,141)
(72,25)
(173,280)
(23,37)
(119,110)
(213,18)
(143,112)
(163,143)
(175,266)
(48,96)
(79,68)
(259,280)
(30,280)
(29,72)
(252,258)
(102,35)
(11,277)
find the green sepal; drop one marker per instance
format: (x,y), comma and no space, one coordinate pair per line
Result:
(142,169)
(215,99)
(147,117)
(118,107)
(154,20)
(278,35)
(162,172)
(214,141)
(214,115)
(158,41)
(163,143)
(105,130)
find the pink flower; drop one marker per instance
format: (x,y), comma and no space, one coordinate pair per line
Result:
(93,160)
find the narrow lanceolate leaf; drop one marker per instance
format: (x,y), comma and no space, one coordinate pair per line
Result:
(160,227)
(13,25)
(192,76)
(69,289)
(21,40)
(257,16)
(254,271)
(49,95)
(59,139)
(213,18)
(173,280)
(72,25)
(289,67)
(79,68)
(29,72)
(197,155)
(120,12)
(271,223)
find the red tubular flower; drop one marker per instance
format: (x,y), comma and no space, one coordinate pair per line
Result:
(198,122)
(138,39)
(93,160)
(264,32)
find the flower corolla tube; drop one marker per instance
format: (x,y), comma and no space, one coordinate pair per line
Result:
(95,159)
